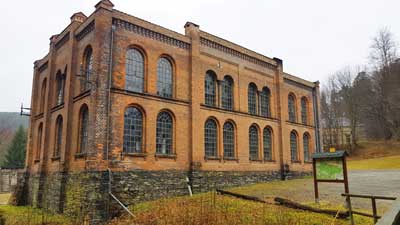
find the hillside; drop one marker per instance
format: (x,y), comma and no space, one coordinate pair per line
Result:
(9,122)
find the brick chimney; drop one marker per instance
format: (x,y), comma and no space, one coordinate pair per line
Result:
(78,17)
(105,4)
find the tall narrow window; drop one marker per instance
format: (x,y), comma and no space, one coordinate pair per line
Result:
(210,88)
(229,140)
(39,141)
(58,137)
(43,96)
(306,147)
(293,146)
(292,108)
(134,67)
(267,141)
(252,99)
(304,110)
(87,68)
(265,102)
(60,79)
(164,133)
(210,138)
(133,130)
(83,129)
(227,93)
(253,142)
(164,78)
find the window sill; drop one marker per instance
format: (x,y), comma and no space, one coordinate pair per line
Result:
(134,154)
(296,161)
(308,162)
(255,160)
(57,107)
(36,161)
(82,95)
(269,161)
(56,158)
(80,155)
(165,156)
(39,116)
(212,158)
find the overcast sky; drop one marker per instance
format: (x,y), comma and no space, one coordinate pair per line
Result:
(314,38)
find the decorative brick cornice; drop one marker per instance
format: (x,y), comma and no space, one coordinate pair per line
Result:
(61,42)
(87,30)
(43,67)
(297,84)
(233,52)
(150,34)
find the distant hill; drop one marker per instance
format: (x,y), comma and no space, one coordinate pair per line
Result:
(9,122)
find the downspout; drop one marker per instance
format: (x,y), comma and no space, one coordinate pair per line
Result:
(316,120)
(110,68)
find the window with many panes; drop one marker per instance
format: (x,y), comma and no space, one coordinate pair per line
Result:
(306,147)
(83,129)
(87,68)
(58,136)
(164,133)
(265,101)
(267,143)
(134,67)
(292,108)
(39,141)
(227,93)
(253,142)
(164,78)
(210,138)
(133,130)
(304,110)
(210,85)
(60,84)
(229,140)
(293,146)
(252,99)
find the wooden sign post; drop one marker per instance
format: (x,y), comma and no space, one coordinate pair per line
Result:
(330,167)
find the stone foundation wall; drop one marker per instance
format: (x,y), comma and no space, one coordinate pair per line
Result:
(85,195)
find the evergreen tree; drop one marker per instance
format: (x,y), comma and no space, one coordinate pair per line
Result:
(15,156)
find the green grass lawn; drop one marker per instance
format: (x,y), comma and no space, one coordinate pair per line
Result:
(389,162)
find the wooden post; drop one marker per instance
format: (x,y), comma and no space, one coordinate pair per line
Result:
(315,181)
(374,213)
(346,189)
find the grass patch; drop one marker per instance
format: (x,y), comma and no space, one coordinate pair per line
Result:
(390,162)
(4,198)
(215,209)
(21,215)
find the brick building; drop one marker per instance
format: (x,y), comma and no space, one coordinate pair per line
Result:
(117,93)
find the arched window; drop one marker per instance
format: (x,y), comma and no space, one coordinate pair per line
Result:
(164,78)
(229,140)
(306,147)
(293,146)
(83,129)
(227,93)
(292,108)
(39,141)
(210,88)
(60,85)
(164,133)
(253,142)
(252,98)
(133,130)
(304,111)
(58,136)
(265,102)
(267,142)
(43,96)
(87,68)
(210,138)
(134,67)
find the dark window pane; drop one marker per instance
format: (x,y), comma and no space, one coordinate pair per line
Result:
(265,102)
(303,110)
(133,123)
(60,88)
(134,67)
(292,109)
(39,141)
(87,68)
(164,78)
(253,143)
(293,146)
(229,140)
(306,147)
(83,130)
(164,133)
(227,93)
(58,140)
(210,89)
(267,141)
(210,138)
(252,99)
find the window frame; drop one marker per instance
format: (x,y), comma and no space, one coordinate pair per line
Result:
(292,112)
(164,82)
(226,144)
(140,123)
(87,68)
(307,154)
(83,130)
(171,151)
(294,157)
(58,136)
(252,99)
(210,89)
(254,144)
(133,68)
(268,130)
(304,110)
(227,99)
(209,141)
(265,102)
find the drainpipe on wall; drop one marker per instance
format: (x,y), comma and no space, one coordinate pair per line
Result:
(316,118)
